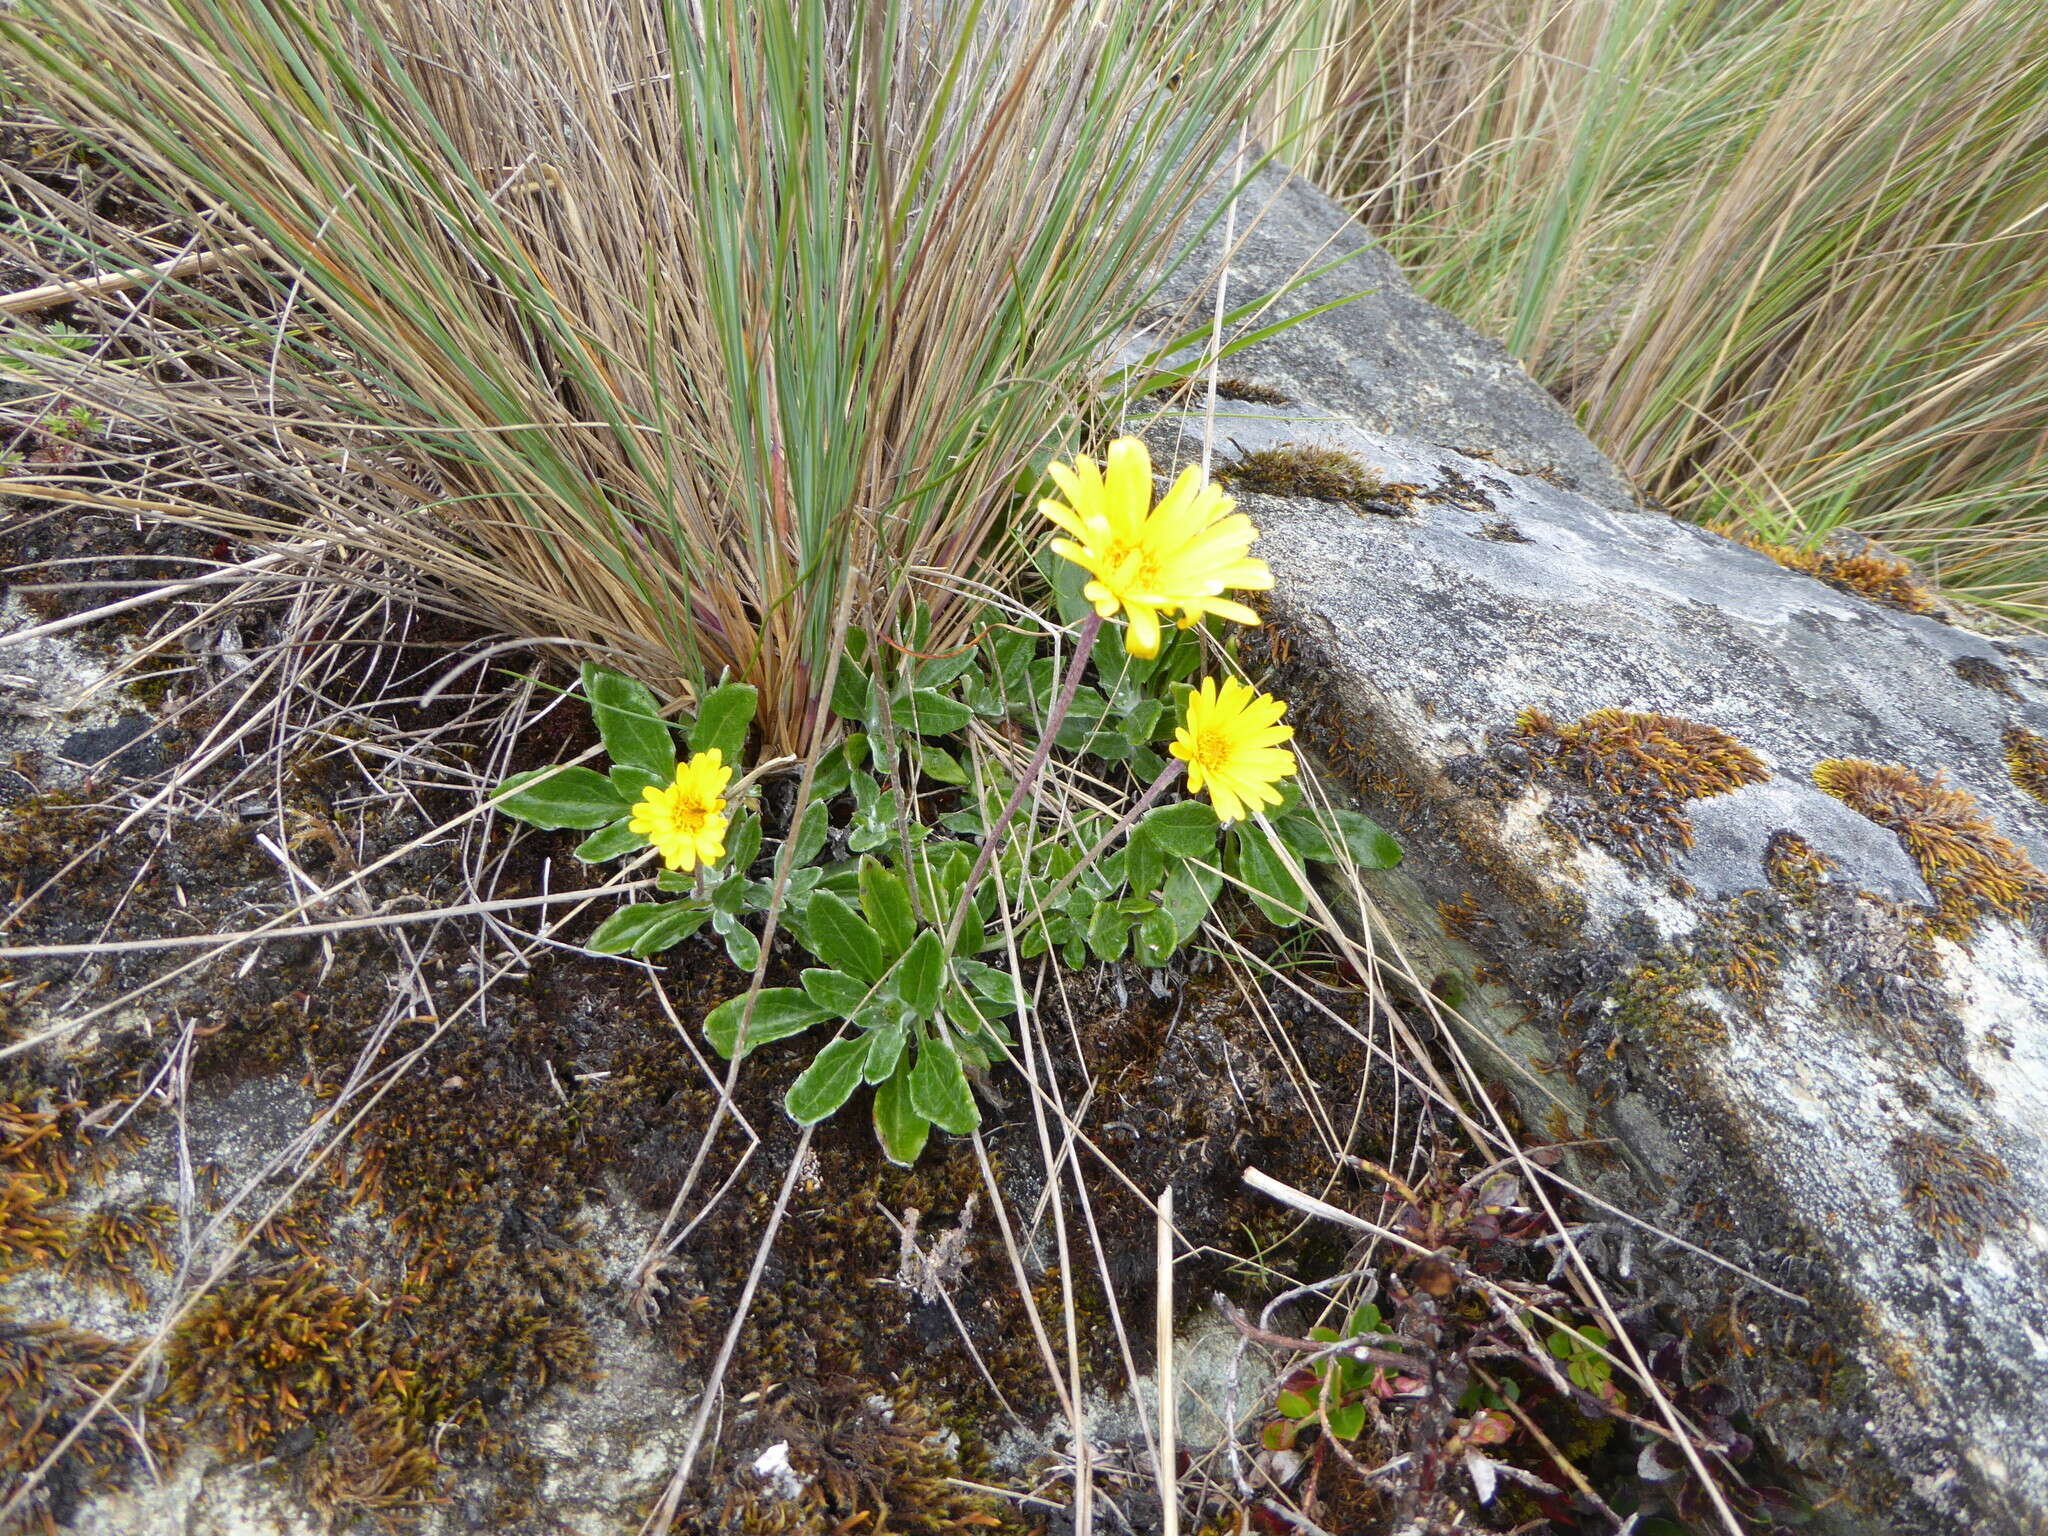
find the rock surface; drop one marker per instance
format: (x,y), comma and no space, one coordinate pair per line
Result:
(1816,1022)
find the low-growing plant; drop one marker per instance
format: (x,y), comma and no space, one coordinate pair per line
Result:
(896,873)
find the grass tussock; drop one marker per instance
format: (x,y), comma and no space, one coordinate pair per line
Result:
(1789,264)
(680,335)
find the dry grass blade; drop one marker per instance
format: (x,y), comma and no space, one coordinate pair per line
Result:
(648,324)
(1789,263)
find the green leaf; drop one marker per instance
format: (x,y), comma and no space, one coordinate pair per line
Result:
(1141,721)
(629,718)
(1303,838)
(1188,895)
(632,782)
(901,1130)
(835,990)
(1014,650)
(921,972)
(1274,890)
(827,1082)
(886,902)
(722,720)
(811,830)
(742,948)
(1366,1319)
(619,933)
(1154,940)
(778,1012)
(939,1091)
(1144,863)
(994,988)
(608,843)
(850,689)
(1109,929)
(1346,1422)
(1322,1335)
(885,1049)
(837,936)
(1186,829)
(1370,846)
(742,843)
(1296,1405)
(940,765)
(941,670)
(925,713)
(555,798)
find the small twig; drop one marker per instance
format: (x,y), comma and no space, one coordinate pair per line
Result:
(27,301)
(1169,1493)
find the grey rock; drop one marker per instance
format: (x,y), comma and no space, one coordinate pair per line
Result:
(1870,1134)
(1387,360)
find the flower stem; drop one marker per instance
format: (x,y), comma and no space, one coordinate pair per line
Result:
(992,842)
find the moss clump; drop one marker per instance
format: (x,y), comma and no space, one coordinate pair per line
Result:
(290,1360)
(109,1243)
(1320,474)
(2026,759)
(1229,387)
(1969,867)
(49,1376)
(867,1464)
(1742,945)
(1863,573)
(1640,769)
(265,1353)
(1981,672)
(1956,1192)
(1795,867)
(31,1234)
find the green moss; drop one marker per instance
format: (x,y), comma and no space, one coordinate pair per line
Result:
(1320,474)
(1956,1192)
(1973,871)
(1626,777)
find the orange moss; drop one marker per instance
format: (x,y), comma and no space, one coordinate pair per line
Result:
(1969,867)
(1882,580)
(1795,867)
(2026,759)
(1955,1192)
(104,1251)
(49,1376)
(31,1234)
(1643,768)
(265,1353)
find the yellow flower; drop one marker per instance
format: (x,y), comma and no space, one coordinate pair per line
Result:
(1176,557)
(1231,744)
(686,822)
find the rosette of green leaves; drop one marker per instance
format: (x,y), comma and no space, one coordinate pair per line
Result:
(912,1019)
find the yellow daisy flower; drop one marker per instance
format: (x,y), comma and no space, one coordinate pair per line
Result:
(686,822)
(1231,744)
(1177,557)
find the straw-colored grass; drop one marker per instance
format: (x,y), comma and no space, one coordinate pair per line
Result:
(1788,263)
(651,325)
